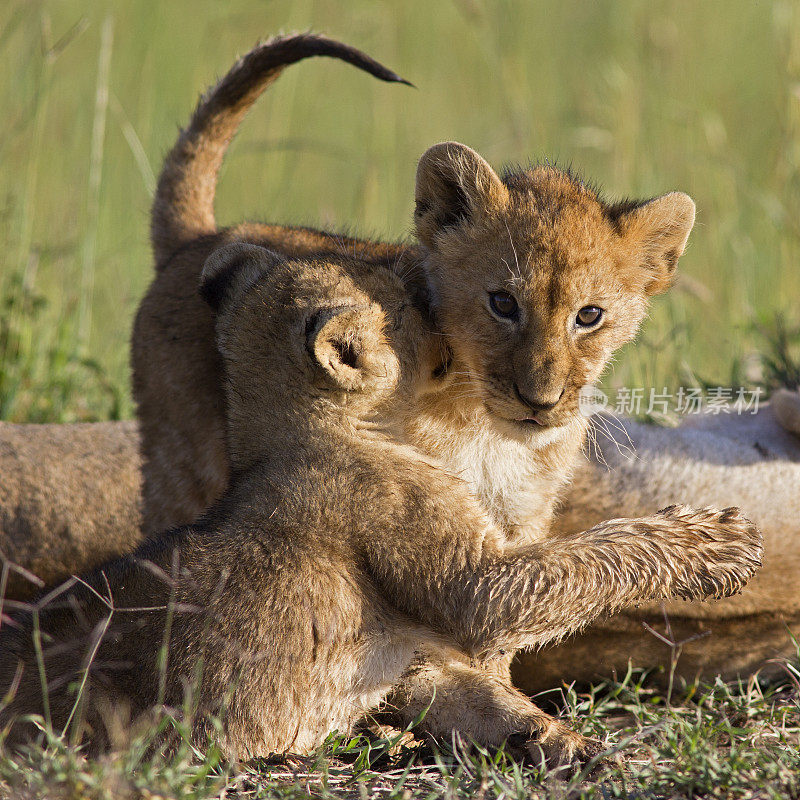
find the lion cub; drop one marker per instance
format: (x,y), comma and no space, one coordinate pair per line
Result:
(300,599)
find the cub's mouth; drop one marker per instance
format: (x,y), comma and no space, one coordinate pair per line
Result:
(526,424)
(532,421)
(528,430)
(517,417)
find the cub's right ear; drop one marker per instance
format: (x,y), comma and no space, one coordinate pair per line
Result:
(455,186)
(233,269)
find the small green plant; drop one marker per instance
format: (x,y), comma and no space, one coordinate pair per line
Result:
(708,741)
(780,355)
(43,376)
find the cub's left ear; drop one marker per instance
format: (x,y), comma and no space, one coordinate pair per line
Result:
(658,230)
(349,346)
(233,268)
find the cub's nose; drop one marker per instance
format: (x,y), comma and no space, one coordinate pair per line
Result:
(540,404)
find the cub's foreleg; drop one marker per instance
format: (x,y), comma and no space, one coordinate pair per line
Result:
(490,602)
(678,552)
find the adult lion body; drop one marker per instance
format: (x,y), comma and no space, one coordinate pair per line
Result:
(709,459)
(52,530)
(70,498)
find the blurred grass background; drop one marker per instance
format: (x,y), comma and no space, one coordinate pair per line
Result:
(639,97)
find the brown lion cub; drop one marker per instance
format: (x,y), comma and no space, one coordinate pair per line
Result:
(299,600)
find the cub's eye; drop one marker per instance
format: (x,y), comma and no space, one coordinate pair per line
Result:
(589,316)
(504,305)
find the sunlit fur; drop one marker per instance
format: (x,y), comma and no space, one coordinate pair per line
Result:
(337,554)
(538,233)
(63,478)
(516,471)
(550,244)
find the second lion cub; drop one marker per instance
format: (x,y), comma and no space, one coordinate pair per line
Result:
(299,600)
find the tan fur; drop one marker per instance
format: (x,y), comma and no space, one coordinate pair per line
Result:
(538,230)
(300,599)
(709,459)
(69,500)
(173,349)
(550,242)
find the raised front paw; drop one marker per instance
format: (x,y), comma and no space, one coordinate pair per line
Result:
(723,550)
(557,746)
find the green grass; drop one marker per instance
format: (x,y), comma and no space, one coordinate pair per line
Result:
(717,742)
(641,97)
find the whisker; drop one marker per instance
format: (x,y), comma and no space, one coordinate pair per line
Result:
(591,441)
(514,250)
(613,422)
(604,425)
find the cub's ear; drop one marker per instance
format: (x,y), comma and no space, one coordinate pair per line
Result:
(233,269)
(658,230)
(454,186)
(349,346)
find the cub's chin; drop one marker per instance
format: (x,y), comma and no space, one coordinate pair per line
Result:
(528,431)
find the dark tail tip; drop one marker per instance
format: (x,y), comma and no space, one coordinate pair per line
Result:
(398,79)
(317,44)
(392,77)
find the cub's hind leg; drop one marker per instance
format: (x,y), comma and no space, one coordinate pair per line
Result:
(479,704)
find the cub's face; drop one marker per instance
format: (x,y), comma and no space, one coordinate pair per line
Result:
(536,282)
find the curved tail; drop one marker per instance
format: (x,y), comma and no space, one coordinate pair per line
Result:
(183,207)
